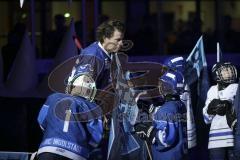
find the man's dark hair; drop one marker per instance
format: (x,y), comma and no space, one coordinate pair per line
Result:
(106,29)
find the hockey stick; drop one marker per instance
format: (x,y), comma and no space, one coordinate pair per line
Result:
(148,150)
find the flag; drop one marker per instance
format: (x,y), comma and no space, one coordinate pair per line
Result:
(236,105)
(195,62)
(199,81)
(23,75)
(116,132)
(115,137)
(198,60)
(120,142)
(21,3)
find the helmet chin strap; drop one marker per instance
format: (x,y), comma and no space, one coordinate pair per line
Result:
(222,85)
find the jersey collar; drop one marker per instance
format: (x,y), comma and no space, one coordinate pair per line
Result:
(100,45)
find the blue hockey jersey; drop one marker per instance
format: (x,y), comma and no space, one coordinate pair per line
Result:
(171,137)
(94,61)
(63,133)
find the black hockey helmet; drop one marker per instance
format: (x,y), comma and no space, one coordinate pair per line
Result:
(224,72)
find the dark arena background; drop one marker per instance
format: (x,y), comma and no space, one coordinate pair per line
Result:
(38,35)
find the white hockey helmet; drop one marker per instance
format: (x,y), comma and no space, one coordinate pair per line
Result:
(82,85)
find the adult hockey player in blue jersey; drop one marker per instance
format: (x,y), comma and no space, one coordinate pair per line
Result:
(219,101)
(97,56)
(95,60)
(167,133)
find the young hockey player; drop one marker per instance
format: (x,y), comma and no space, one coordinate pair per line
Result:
(219,100)
(64,136)
(178,63)
(167,133)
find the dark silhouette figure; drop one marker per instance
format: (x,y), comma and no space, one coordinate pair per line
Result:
(9,51)
(54,37)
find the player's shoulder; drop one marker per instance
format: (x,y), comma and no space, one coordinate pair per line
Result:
(92,50)
(233,86)
(213,89)
(231,89)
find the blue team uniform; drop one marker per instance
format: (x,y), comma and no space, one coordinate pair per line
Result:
(96,62)
(170,142)
(80,137)
(74,141)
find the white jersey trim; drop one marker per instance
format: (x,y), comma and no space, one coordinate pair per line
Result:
(60,151)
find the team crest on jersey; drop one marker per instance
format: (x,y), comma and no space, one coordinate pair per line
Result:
(86,67)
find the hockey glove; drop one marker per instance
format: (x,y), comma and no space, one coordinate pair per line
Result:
(217,106)
(212,106)
(223,107)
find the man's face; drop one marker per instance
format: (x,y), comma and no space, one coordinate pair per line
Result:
(114,43)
